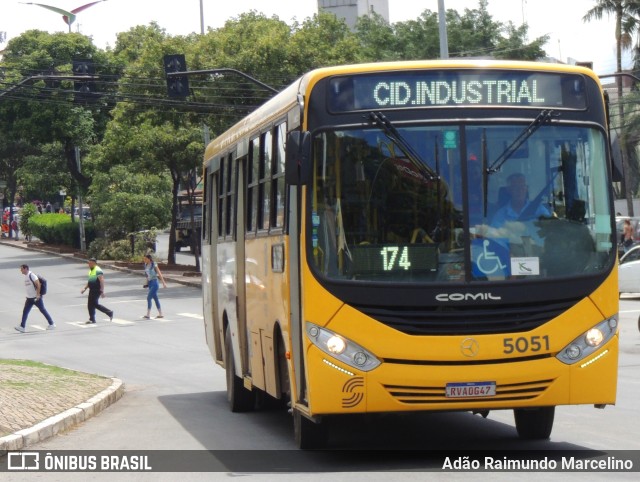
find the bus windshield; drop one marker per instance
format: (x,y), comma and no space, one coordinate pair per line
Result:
(460,203)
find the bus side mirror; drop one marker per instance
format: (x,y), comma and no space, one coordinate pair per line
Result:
(298,158)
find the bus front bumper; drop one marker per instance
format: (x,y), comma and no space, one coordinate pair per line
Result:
(401,385)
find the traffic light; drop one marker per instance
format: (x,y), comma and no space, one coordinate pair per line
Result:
(84,89)
(178,85)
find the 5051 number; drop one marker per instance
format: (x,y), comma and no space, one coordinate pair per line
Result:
(523,344)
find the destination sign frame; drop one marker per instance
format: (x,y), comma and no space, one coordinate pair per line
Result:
(457,88)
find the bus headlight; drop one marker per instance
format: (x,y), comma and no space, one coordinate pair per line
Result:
(341,348)
(594,337)
(588,342)
(336,345)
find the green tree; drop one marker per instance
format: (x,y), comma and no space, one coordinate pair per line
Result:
(163,137)
(377,39)
(125,202)
(28,211)
(43,174)
(13,154)
(514,46)
(42,109)
(253,44)
(474,33)
(626,14)
(322,40)
(418,39)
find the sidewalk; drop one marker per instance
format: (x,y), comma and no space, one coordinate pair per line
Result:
(37,401)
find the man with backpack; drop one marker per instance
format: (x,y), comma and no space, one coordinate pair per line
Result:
(34,297)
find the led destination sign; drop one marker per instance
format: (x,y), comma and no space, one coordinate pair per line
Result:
(395,90)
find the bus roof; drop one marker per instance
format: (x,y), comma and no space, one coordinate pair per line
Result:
(278,106)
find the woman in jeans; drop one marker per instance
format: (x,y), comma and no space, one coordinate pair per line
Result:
(153,273)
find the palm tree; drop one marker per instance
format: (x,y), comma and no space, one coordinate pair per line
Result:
(627,14)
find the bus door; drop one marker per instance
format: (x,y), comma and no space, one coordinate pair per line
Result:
(210,279)
(240,254)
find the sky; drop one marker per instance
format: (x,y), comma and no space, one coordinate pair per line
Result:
(570,37)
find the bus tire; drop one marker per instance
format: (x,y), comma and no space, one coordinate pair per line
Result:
(309,435)
(534,423)
(240,399)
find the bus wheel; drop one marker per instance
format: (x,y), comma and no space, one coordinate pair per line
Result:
(308,434)
(240,399)
(534,423)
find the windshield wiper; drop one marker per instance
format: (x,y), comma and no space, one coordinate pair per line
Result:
(541,119)
(392,133)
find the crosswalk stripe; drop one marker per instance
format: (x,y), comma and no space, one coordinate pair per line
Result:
(80,324)
(118,321)
(191,315)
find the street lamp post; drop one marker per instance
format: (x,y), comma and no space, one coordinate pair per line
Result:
(201,18)
(442,22)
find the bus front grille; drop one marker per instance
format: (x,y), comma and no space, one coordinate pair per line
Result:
(415,395)
(468,320)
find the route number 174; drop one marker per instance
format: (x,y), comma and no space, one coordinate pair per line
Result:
(394,257)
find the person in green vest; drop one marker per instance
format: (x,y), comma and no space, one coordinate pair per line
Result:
(95,285)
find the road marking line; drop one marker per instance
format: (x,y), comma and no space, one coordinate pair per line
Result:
(38,327)
(81,324)
(118,321)
(191,315)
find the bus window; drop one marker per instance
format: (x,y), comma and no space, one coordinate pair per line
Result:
(382,210)
(278,185)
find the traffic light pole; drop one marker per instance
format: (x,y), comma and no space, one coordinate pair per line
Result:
(35,78)
(222,71)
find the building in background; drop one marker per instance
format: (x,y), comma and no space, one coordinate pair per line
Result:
(350,10)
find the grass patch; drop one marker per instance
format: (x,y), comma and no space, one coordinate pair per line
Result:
(53,370)
(41,390)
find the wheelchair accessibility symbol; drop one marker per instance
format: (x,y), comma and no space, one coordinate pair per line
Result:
(490,257)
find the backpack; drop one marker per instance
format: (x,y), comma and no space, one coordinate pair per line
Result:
(43,284)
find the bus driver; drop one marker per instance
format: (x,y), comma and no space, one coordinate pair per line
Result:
(518,203)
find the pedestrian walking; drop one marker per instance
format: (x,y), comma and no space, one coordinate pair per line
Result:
(152,270)
(95,285)
(32,286)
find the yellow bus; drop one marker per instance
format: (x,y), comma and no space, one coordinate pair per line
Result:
(415,236)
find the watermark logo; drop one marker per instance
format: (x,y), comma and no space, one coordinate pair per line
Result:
(24,461)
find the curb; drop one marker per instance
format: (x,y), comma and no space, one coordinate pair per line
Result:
(63,421)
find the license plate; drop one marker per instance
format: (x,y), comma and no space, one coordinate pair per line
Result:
(471,389)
